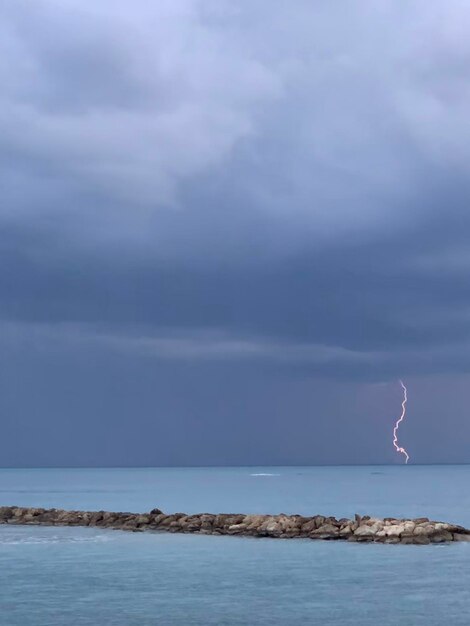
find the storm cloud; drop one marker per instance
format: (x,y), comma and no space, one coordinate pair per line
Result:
(239,211)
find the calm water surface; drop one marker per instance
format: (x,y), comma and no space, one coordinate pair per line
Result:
(80,576)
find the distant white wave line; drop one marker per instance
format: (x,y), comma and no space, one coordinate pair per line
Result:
(263,474)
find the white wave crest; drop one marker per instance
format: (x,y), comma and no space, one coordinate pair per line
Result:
(264,474)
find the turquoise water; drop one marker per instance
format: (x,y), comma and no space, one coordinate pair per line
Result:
(80,576)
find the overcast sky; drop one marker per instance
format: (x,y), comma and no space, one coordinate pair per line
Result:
(228,228)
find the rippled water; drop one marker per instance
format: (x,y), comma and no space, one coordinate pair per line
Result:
(80,576)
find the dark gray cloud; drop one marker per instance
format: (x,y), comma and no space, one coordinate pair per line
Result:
(229,198)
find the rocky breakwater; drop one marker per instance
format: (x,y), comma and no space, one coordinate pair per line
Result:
(362,529)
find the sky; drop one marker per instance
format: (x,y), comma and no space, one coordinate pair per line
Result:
(228,228)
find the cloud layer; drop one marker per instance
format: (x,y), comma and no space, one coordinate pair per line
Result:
(238,185)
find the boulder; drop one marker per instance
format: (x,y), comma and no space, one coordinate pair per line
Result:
(442,536)
(392,539)
(345,531)
(269,528)
(423,530)
(236,529)
(165,521)
(223,521)
(193,523)
(325,531)
(415,539)
(408,527)
(5,513)
(394,530)
(157,519)
(365,530)
(309,526)
(156,512)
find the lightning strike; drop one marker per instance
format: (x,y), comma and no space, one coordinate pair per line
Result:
(398,448)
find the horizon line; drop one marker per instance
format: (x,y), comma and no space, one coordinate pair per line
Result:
(215,466)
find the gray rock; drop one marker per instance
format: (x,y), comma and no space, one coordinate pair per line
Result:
(415,539)
(442,536)
(365,531)
(325,531)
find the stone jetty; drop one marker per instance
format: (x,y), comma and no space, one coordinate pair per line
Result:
(362,529)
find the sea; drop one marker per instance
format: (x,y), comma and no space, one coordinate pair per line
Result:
(91,577)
